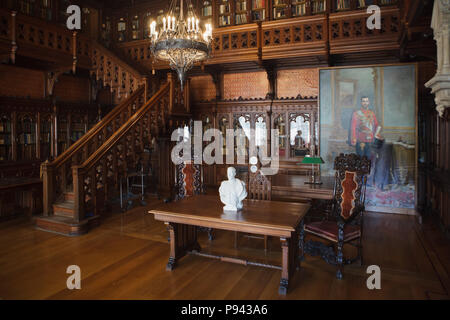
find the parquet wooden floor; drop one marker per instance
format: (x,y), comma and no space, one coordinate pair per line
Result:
(125,258)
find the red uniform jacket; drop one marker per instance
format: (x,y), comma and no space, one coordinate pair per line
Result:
(364,126)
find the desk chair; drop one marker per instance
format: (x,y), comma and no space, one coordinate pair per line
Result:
(259,188)
(345,224)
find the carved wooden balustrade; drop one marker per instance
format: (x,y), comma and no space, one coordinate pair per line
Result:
(114,72)
(66,50)
(36,38)
(57,175)
(348,31)
(97,178)
(310,35)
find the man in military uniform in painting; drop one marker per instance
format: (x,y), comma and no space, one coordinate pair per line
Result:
(364,129)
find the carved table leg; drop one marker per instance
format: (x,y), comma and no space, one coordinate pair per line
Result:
(301,242)
(183,238)
(289,258)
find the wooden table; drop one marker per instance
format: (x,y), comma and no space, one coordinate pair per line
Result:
(292,187)
(271,218)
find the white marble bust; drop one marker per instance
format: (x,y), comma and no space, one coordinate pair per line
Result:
(232,191)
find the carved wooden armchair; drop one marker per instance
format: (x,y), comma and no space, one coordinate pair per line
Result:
(259,188)
(189,182)
(345,225)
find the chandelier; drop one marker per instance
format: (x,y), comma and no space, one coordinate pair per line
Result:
(180,42)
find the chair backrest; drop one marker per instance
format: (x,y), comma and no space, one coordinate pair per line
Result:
(259,186)
(189,180)
(350,184)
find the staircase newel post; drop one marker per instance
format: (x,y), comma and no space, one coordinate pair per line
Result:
(78,190)
(171,91)
(48,184)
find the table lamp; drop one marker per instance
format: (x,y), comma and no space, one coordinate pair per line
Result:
(312,161)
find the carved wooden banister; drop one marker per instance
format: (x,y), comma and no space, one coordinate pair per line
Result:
(114,72)
(57,175)
(97,178)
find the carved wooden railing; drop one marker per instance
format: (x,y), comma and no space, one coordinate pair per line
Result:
(57,175)
(114,72)
(310,35)
(33,37)
(348,31)
(97,178)
(45,40)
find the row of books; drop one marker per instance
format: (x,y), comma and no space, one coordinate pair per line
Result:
(279,13)
(259,15)
(319,6)
(241,18)
(5,140)
(5,126)
(224,20)
(26,138)
(207,11)
(343,4)
(76,135)
(224,8)
(241,6)
(257,4)
(299,10)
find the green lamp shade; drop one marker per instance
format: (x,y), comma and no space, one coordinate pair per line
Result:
(312,160)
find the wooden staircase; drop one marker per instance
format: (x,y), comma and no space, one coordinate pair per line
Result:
(79,185)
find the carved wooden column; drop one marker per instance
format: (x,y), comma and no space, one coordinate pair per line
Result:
(440,83)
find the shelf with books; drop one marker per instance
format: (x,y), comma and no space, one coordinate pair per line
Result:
(299,7)
(45,137)
(224,13)
(206,12)
(26,137)
(318,6)
(384,2)
(258,10)
(77,130)
(5,139)
(342,5)
(62,135)
(280,9)
(241,13)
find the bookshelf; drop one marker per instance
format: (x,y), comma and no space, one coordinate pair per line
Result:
(135,29)
(318,6)
(26,136)
(384,2)
(77,129)
(62,134)
(258,10)
(241,13)
(45,137)
(5,139)
(207,12)
(299,7)
(280,9)
(224,13)
(342,5)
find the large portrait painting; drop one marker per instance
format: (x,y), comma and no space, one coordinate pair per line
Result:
(371,111)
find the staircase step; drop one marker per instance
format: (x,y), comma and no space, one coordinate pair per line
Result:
(64,209)
(70,196)
(65,225)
